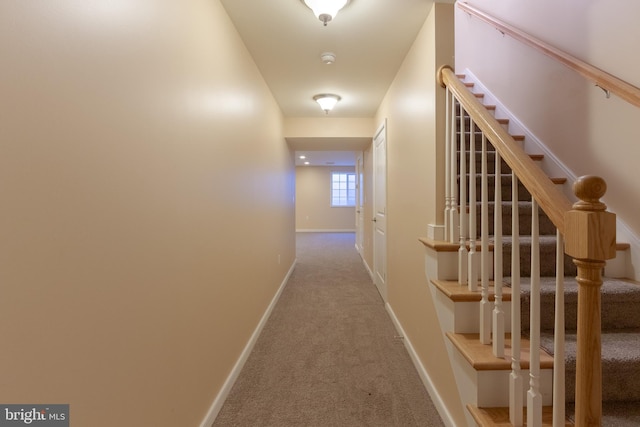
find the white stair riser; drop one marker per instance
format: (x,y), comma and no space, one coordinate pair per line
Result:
(463,317)
(490,389)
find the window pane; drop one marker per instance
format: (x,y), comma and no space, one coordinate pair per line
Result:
(343,189)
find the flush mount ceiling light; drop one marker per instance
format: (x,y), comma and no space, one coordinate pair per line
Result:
(328,57)
(326,10)
(327,101)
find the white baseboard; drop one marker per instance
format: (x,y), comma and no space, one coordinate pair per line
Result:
(442,409)
(231,379)
(329,230)
(366,266)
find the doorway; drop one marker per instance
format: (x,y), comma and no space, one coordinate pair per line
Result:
(380,210)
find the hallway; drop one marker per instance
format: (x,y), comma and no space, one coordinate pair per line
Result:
(329,354)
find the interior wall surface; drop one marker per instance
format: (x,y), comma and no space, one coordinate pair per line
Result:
(313,201)
(415,124)
(327,127)
(588,132)
(148,195)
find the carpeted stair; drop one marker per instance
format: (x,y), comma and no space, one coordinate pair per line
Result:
(620,301)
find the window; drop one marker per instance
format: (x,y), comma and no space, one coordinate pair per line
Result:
(343,189)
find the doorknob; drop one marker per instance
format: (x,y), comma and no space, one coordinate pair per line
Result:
(374,220)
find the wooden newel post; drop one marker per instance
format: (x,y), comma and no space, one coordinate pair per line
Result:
(590,238)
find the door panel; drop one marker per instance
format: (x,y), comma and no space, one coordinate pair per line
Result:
(360,204)
(380,211)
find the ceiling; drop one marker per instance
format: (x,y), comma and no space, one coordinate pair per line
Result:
(370,39)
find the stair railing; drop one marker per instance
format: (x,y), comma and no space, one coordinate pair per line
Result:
(587,229)
(607,82)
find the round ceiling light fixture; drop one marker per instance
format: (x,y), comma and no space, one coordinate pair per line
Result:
(328,57)
(327,101)
(326,10)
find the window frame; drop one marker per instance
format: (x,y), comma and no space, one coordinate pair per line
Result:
(353,189)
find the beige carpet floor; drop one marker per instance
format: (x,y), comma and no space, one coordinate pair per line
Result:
(329,354)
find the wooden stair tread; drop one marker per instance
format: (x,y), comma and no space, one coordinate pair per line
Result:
(439,245)
(445,246)
(481,358)
(461,293)
(623,246)
(534,157)
(499,417)
(516,137)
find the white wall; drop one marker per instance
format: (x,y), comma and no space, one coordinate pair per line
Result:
(313,201)
(147,193)
(414,109)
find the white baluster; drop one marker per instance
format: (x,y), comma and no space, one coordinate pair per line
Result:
(453,212)
(462,252)
(516,382)
(534,398)
(558,339)
(498,310)
(485,305)
(447,166)
(472,268)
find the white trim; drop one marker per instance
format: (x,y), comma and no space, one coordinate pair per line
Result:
(330,230)
(366,266)
(435,232)
(347,173)
(233,375)
(631,260)
(437,400)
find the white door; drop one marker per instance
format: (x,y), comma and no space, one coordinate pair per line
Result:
(359,204)
(380,210)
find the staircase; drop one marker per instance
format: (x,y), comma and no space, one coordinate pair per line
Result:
(483,379)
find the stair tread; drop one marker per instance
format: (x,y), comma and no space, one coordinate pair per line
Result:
(499,417)
(555,179)
(548,239)
(481,357)
(618,346)
(621,288)
(612,414)
(492,154)
(439,245)
(445,246)
(459,293)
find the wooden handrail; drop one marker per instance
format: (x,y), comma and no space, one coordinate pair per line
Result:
(600,78)
(549,197)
